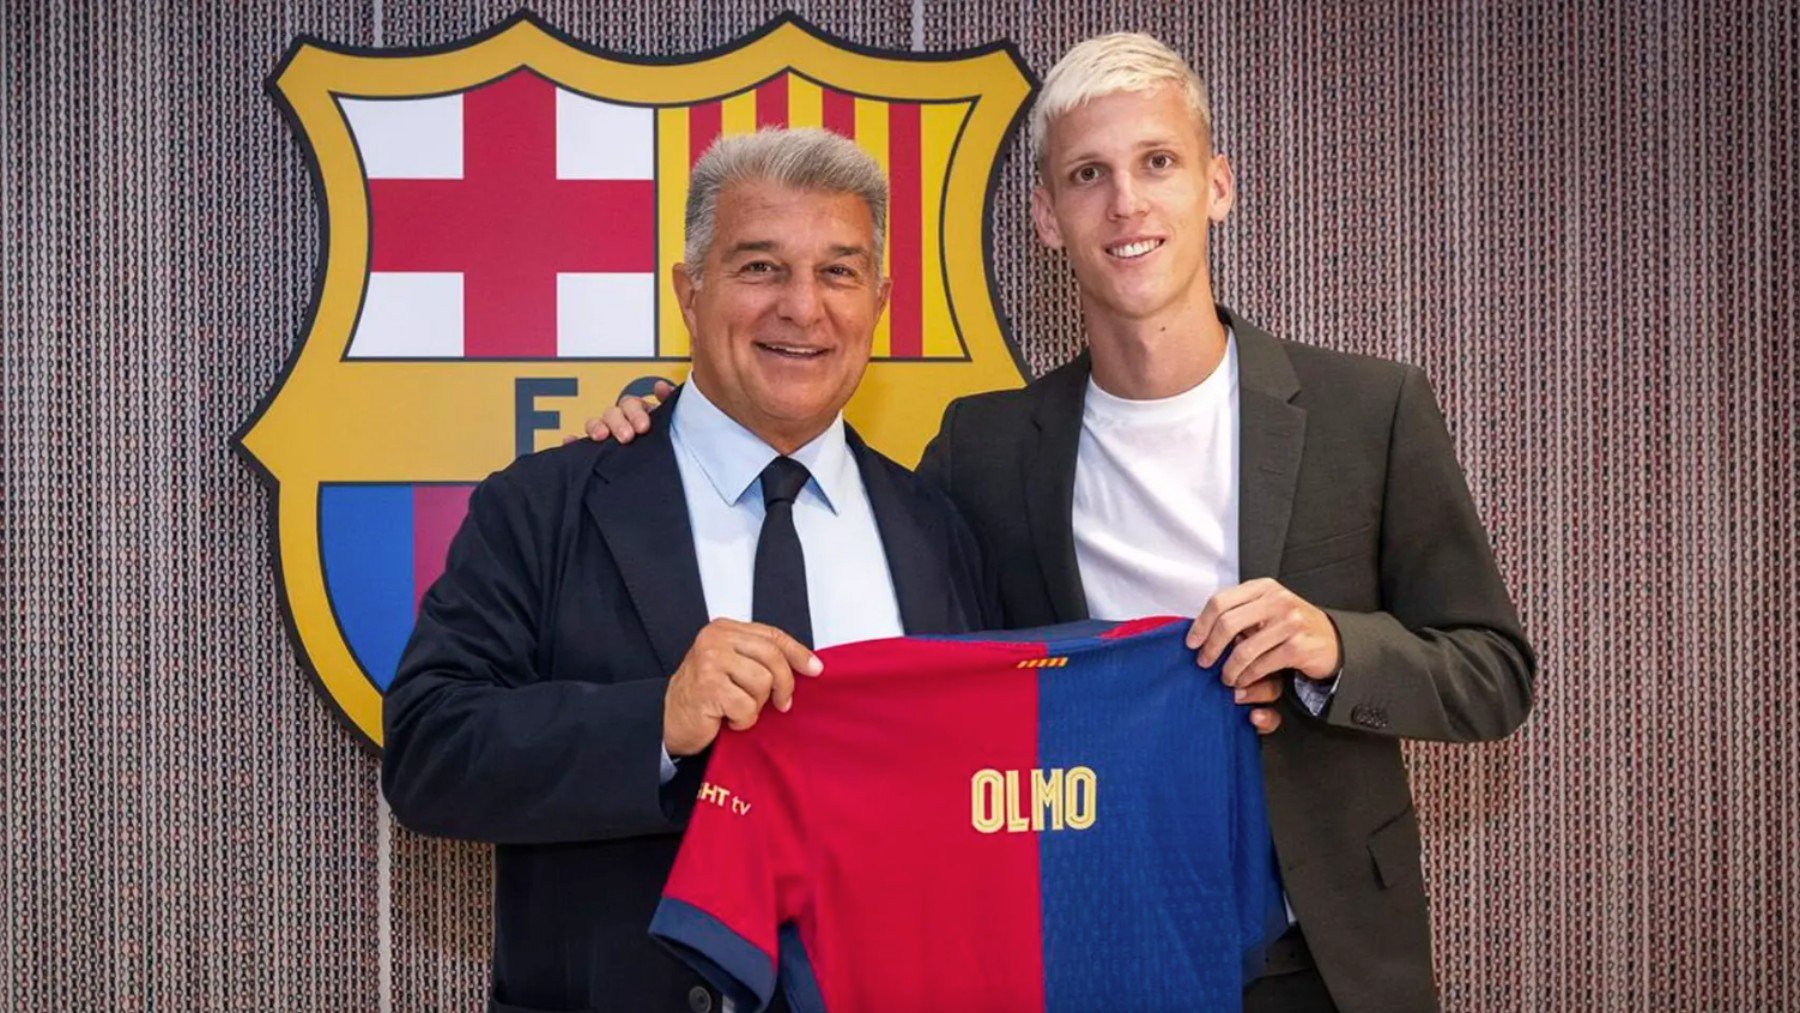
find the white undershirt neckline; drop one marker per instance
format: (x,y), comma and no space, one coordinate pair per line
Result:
(1155,512)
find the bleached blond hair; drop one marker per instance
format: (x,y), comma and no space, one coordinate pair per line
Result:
(1105,65)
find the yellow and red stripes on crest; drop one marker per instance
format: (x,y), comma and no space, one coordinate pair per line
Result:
(911,141)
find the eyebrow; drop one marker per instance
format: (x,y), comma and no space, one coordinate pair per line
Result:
(1089,156)
(751,246)
(770,245)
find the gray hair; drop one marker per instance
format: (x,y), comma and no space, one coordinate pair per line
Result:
(802,159)
(1105,65)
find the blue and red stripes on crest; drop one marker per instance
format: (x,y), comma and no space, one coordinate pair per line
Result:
(381,547)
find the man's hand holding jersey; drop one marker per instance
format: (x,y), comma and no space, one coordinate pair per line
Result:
(1270,631)
(731,672)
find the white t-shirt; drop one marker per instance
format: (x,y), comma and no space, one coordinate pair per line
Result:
(1156,497)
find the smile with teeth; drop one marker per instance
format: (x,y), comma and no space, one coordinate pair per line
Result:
(791,351)
(1127,251)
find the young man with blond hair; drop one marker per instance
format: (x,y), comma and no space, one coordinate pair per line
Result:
(1305,505)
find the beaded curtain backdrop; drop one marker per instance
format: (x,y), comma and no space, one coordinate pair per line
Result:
(1579,219)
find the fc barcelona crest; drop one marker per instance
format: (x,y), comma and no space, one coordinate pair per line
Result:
(500,221)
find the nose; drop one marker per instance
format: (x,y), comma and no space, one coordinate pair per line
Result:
(800,302)
(1127,199)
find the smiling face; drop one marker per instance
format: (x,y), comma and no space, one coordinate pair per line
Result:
(1129,188)
(783,311)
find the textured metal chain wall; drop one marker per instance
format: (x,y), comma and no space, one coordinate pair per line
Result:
(1579,218)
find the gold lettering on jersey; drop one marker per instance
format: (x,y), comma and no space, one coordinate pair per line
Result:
(721,796)
(1080,798)
(1018,801)
(985,791)
(1046,793)
(1016,821)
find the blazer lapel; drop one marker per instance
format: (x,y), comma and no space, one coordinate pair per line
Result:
(1049,479)
(922,586)
(1271,436)
(641,511)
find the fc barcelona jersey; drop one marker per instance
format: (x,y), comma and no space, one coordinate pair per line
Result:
(1069,818)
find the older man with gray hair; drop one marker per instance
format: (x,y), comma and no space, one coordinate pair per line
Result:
(606,609)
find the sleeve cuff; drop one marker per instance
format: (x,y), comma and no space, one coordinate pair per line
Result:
(666,772)
(743,973)
(1315,696)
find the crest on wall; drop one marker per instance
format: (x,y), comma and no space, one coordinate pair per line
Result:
(499,220)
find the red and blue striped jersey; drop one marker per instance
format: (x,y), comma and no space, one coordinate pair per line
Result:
(1060,819)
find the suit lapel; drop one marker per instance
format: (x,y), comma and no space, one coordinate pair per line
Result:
(922,587)
(1049,479)
(1271,436)
(641,511)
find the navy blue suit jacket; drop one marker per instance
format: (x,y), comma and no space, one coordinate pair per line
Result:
(527,710)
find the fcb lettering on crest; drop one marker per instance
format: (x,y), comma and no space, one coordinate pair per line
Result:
(500,220)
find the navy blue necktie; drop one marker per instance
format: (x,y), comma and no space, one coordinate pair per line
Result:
(778,589)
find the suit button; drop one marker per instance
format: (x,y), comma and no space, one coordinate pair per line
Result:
(699,1000)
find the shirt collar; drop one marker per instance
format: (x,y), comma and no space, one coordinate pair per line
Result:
(1222,381)
(732,457)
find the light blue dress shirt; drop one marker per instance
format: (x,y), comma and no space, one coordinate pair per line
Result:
(849,590)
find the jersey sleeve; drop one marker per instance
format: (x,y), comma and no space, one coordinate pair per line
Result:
(736,878)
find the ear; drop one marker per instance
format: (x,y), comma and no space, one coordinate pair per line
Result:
(1043,216)
(1221,189)
(882,293)
(686,286)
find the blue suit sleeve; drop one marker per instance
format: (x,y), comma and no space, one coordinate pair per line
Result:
(478,745)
